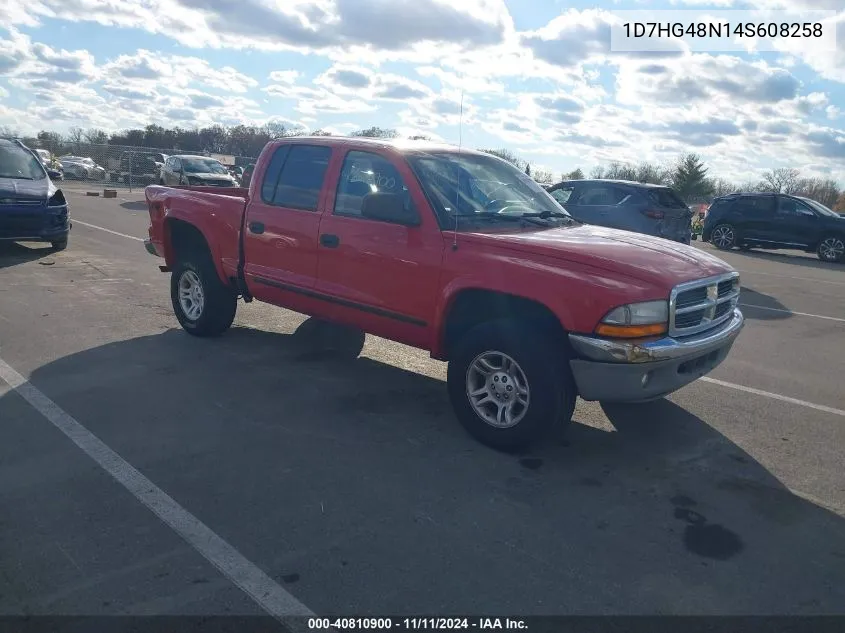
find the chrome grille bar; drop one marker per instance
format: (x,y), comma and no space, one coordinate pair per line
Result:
(710,313)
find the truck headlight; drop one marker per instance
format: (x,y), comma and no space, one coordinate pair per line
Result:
(636,320)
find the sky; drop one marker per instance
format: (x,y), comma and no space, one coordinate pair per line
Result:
(539,77)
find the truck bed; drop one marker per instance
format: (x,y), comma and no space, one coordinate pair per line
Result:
(217,212)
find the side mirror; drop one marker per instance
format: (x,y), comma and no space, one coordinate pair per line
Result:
(54,173)
(388,207)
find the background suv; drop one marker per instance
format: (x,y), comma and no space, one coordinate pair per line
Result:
(632,206)
(768,220)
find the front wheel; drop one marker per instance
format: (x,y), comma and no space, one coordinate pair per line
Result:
(59,245)
(202,304)
(509,386)
(723,237)
(831,249)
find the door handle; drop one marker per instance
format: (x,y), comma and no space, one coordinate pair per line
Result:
(329,241)
(256,227)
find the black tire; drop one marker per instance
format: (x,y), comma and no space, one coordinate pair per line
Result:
(59,245)
(551,387)
(831,255)
(219,302)
(717,239)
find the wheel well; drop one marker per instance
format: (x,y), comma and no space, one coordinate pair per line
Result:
(826,234)
(185,239)
(473,307)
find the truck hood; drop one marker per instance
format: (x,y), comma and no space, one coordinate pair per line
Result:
(209,175)
(651,259)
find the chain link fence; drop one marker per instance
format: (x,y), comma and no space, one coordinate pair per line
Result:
(118,166)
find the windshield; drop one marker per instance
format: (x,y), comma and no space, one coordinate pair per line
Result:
(475,186)
(18,163)
(818,206)
(202,166)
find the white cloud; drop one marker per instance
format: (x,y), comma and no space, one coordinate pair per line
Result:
(393,25)
(703,78)
(284,76)
(176,71)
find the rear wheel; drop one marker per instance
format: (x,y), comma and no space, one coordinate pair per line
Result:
(202,304)
(723,237)
(831,248)
(59,245)
(509,386)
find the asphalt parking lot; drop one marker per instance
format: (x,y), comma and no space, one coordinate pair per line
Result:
(345,486)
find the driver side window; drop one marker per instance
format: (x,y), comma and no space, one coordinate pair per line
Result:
(364,173)
(792,207)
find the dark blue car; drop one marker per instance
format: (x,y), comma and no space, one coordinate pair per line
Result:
(32,208)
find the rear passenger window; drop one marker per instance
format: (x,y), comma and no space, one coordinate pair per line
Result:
(601,196)
(271,176)
(562,194)
(301,177)
(365,173)
(666,198)
(754,206)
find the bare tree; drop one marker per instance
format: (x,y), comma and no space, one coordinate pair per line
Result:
(575,174)
(74,136)
(722,187)
(95,136)
(597,172)
(543,176)
(376,132)
(506,154)
(824,190)
(7,131)
(781,180)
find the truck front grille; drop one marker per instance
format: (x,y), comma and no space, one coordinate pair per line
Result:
(699,305)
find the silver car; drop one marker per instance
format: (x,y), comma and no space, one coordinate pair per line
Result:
(81,168)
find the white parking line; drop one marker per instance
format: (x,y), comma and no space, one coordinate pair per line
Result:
(94,226)
(775,396)
(247,576)
(806,314)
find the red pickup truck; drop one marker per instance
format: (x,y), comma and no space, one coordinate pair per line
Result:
(461,254)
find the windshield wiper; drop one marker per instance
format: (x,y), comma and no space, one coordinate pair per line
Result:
(489,215)
(547,215)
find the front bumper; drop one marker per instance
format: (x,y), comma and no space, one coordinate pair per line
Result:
(34,224)
(622,371)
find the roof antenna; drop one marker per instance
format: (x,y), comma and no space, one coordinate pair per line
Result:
(458,188)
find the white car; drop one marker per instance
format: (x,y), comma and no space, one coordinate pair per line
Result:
(82,168)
